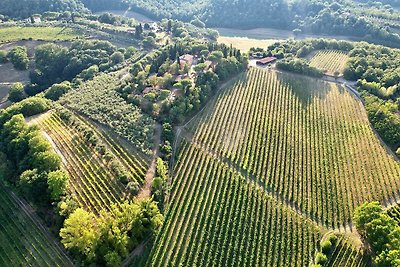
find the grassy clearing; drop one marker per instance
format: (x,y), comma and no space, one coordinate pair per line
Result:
(330,61)
(244,43)
(9,34)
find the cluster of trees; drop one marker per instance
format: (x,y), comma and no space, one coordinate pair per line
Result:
(25,8)
(377,70)
(299,66)
(381,232)
(55,64)
(106,239)
(16,92)
(310,16)
(18,56)
(33,166)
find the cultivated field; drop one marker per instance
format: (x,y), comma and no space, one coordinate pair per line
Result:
(93,181)
(22,241)
(269,167)
(244,43)
(9,34)
(305,141)
(330,61)
(213,205)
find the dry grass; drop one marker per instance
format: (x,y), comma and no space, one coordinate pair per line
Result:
(244,43)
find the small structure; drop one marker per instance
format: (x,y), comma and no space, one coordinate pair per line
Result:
(36,19)
(266,61)
(187,60)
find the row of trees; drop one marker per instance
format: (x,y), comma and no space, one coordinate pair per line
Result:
(381,232)
(34,167)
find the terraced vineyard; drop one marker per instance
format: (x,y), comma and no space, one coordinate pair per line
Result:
(330,61)
(212,205)
(93,181)
(303,141)
(22,241)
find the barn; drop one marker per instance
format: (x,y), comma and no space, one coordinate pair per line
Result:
(266,61)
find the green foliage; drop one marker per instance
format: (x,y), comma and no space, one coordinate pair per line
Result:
(299,66)
(321,258)
(18,56)
(57,90)
(26,8)
(381,231)
(326,247)
(3,56)
(58,182)
(117,57)
(105,240)
(16,93)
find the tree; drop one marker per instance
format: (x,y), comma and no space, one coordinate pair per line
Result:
(117,58)
(149,42)
(18,56)
(46,161)
(32,184)
(58,182)
(16,93)
(80,233)
(365,214)
(58,90)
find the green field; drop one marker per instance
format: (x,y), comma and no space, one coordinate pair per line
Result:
(272,164)
(9,34)
(22,241)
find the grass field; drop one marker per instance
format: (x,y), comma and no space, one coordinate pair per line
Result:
(270,166)
(330,61)
(93,181)
(244,43)
(22,241)
(9,34)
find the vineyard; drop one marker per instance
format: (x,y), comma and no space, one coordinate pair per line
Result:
(280,158)
(213,205)
(303,140)
(93,180)
(330,61)
(22,241)
(344,255)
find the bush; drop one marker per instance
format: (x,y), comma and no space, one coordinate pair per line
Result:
(16,93)
(326,246)
(3,56)
(398,152)
(321,258)
(333,238)
(57,90)
(19,57)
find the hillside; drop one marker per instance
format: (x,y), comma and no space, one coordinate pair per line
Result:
(291,155)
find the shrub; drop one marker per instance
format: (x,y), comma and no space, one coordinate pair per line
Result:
(3,56)
(19,57)
(16,93)
(321,258)
(333,238)
(326,246)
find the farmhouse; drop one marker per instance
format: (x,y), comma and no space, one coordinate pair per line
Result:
(36,19)
(187,60)
(266,61)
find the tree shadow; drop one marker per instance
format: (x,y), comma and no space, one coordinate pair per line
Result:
(306,89)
